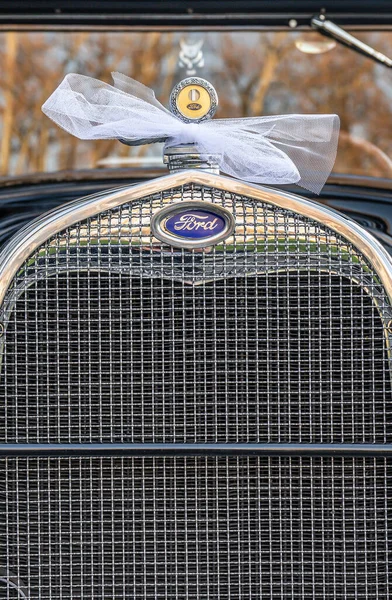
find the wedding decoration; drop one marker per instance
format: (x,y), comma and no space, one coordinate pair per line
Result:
(271,150)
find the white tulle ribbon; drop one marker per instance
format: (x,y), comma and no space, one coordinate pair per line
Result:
(273,150)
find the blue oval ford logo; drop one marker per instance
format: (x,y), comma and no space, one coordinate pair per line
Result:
(192,224)
(195,224)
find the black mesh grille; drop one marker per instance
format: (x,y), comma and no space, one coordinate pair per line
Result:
(239,360)
(9,591)
(198,527)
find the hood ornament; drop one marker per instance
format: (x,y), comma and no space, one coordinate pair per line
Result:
(193,100)
(191,55)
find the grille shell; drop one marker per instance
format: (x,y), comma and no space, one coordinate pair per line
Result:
(298,320)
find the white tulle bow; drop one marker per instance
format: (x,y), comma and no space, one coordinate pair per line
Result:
(273,150)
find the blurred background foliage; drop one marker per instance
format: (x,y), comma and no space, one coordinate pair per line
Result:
(254,73)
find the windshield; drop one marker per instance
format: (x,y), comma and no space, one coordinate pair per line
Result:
(254,73)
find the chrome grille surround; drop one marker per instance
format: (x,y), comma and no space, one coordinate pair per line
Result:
(278,335)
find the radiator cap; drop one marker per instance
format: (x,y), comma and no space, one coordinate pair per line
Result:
(194,100)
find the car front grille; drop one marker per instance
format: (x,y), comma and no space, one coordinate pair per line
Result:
(276,336)
(198,527)
(284,358)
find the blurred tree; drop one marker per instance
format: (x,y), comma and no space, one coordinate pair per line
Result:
(8,93)
(254,73)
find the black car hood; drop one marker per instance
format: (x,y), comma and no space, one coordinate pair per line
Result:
(192,13)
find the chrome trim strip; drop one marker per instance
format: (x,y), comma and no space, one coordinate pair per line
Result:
(23,244)
(193,449)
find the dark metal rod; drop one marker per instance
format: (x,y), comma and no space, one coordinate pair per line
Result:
(57,450)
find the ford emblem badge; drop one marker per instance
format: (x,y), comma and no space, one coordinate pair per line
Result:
(192,224)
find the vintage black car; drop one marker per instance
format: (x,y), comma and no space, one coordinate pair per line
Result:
(195,371)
